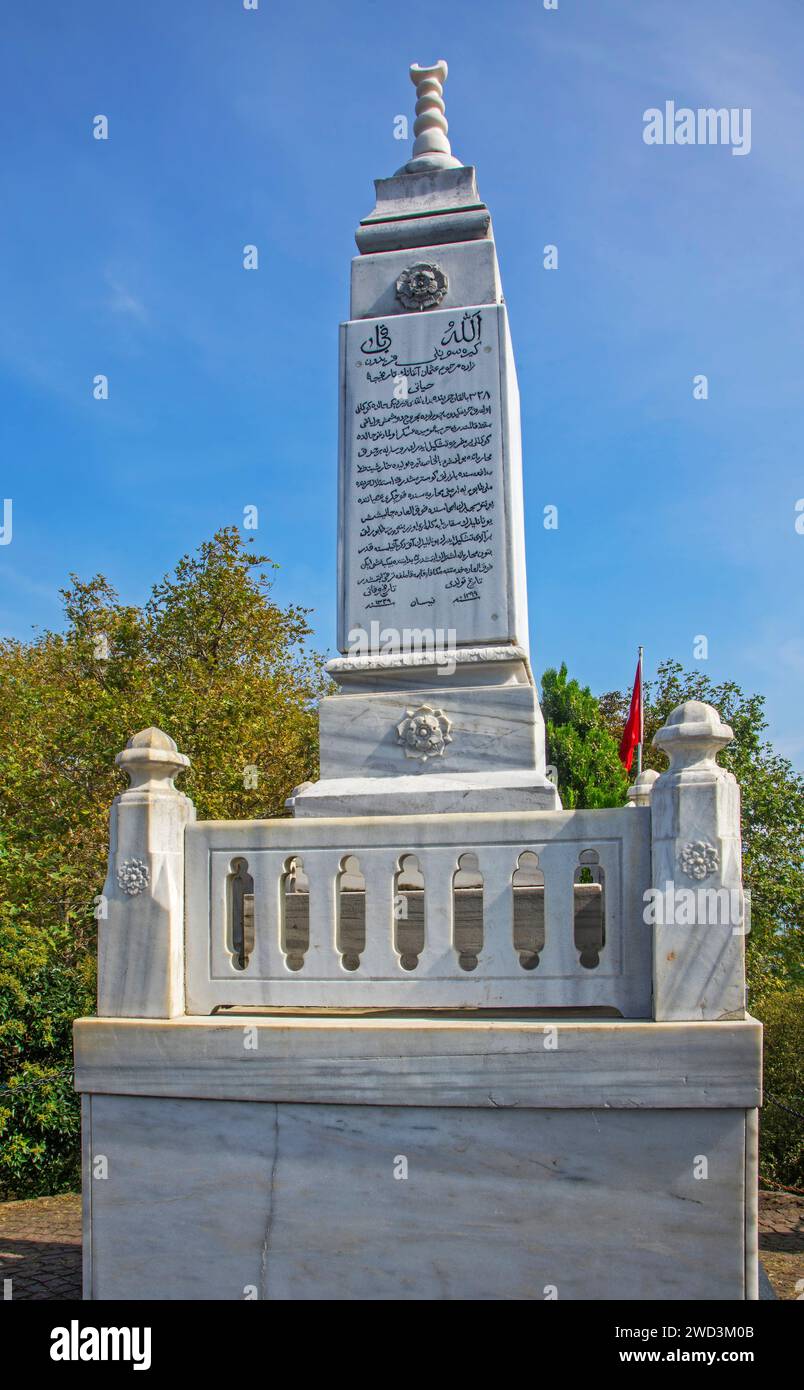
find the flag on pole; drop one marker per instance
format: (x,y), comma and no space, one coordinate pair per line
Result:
(632,733)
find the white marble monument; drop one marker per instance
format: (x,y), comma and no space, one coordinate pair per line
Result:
(431,963)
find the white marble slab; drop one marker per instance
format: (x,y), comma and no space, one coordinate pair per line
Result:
(431,532)
(226,1200)
(372,1060)
(444,793)
(491,730)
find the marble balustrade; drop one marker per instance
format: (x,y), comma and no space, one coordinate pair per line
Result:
(336,906)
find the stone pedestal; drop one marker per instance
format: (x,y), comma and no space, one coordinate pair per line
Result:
(419,1159)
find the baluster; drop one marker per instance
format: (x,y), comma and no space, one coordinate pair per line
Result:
(379,960)
(322,960)
(498,956)
(267,961)
(559,957)
(438,957)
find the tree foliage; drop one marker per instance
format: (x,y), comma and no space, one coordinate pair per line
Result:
(781,1130)
(580,745)
(213,661)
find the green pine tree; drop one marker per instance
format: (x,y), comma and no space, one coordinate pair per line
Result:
(580,745)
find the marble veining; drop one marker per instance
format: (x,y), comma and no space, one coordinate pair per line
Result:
(302,1202)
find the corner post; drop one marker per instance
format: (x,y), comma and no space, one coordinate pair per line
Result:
(699,909)
(640,793)
(141,939)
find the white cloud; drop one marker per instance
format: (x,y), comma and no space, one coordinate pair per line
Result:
(122,301)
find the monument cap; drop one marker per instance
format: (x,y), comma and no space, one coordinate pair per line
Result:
(431,149)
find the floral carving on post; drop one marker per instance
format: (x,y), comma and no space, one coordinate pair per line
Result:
(424,733)
(133,876)
(421,286)
(698,859)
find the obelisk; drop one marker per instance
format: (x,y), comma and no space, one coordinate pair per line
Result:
(436,709)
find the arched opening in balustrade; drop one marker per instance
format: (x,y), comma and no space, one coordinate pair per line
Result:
(239,913)
(409,910)
(294,911)
(528,894)
(467,911)
(589,908)
(351,912)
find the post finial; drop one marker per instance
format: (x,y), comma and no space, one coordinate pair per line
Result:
(431,149)
(691,736)
(152,760)
(639,793)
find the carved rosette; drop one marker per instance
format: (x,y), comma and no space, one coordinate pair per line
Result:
(424,733)
(421,286)
(133,876)
(698,859)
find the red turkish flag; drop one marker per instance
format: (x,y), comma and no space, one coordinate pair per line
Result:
(632,733)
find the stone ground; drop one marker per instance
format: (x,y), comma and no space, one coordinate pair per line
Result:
(40,1245)
(40,1248)
(781,1241)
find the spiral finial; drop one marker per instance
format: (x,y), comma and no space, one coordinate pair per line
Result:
(431,149)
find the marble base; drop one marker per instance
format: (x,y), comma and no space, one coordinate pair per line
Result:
(494,761)
(493,729)
(427,208)
(488,1165)
(469,1058)
(427,794)
(410,671)
(230,1200)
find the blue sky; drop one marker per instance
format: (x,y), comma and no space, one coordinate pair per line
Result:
(228,127)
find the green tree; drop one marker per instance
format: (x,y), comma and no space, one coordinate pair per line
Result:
(781,1132)
(224,670)
(580,745)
